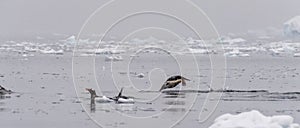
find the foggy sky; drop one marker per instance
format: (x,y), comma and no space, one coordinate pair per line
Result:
(20,18)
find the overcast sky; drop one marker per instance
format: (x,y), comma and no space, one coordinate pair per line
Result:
(41,17)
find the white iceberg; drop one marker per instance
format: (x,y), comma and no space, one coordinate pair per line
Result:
(254,119)
(71,40)
(292,27)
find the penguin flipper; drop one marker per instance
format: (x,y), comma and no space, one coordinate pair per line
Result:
(120,93)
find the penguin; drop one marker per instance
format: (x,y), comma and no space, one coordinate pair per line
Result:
(103,99)
(173,81)
(99,99)
(123,99)
(4,91)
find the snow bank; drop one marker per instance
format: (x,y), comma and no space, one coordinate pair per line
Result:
(254,119)
(292,27)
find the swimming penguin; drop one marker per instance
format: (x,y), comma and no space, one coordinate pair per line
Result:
(123,99)
(99,99)
(173,81)
(4,91)
(103,99)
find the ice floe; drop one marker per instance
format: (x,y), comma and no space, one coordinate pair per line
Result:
(52,51)
(279,48)
(113,58)
(236,53)
(254,119)
(228,40)
(232,47)
(200,51)
(297,55)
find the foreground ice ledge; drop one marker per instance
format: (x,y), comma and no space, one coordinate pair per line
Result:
(254,119)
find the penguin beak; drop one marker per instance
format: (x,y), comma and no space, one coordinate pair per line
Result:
(186,79)
(183,81)
(88,89)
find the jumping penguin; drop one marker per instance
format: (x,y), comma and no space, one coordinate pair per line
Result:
(173,81)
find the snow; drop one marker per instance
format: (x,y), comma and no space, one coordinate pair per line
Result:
(71,39)
(297,55)
(292,27)
(228,40)
(200,51)
(113,58)
(109,51)
(254,119)
(52,51)
(236,53)
(281,47)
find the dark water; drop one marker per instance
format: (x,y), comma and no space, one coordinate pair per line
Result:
(46,87)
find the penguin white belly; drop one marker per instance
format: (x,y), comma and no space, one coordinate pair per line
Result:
(122,100)
(103,99)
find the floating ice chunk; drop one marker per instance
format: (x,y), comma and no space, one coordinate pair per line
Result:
(109,51)
(254,119)
(71,39)
(31,49)
(277,51)
(113,58)
(52,51)
(236,53)
(278,48)
(228,40)
(297,55)
(200,51)
(244,55)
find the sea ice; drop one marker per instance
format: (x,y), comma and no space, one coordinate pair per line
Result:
(236,53)
(228,40)
(297,55)
(113,58)
(254,119)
